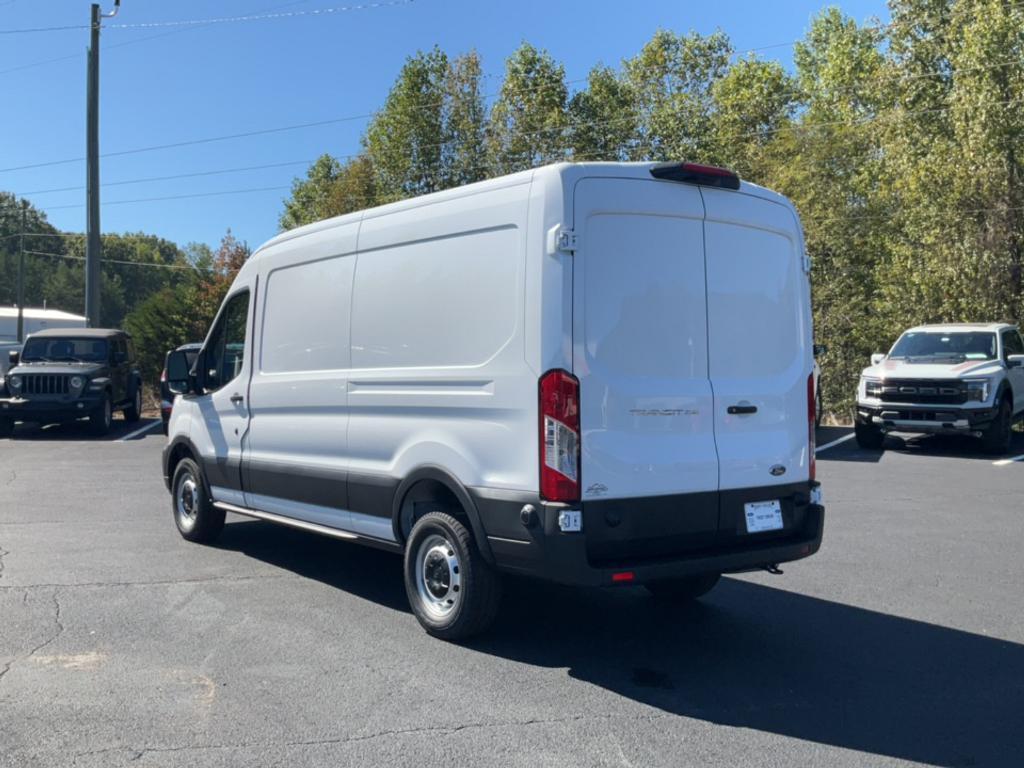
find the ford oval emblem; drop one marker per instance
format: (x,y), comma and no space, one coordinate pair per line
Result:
(777,470)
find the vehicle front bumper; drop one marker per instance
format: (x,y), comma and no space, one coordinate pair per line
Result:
(588,557)
(50,409)
(926,419)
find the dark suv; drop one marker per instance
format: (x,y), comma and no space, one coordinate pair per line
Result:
(67,374)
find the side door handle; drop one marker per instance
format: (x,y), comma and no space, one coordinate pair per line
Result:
(237,399)
(741,409)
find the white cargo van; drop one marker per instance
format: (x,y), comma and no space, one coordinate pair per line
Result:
(598,374)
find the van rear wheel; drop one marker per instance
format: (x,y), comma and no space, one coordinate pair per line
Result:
(453,592)
(689,588)
(194,514)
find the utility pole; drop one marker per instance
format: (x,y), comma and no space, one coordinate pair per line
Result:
(92,195)
(21,272)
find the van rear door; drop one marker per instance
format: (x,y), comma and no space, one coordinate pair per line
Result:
(648,461)
(759,344)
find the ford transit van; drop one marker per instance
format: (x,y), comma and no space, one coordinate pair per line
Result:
(597,374)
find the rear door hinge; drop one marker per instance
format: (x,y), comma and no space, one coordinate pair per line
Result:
(566,240)
(807,264)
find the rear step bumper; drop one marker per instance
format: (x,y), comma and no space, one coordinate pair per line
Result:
(542,550)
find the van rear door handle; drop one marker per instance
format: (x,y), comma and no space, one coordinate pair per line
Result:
(237,399)
(741,409)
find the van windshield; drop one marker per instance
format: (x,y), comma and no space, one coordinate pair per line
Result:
(65,350)
(929,346)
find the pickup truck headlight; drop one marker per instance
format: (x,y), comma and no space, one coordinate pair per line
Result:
(870,387)
(977,390)
(14,382)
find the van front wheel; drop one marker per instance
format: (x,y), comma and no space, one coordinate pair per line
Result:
(194,514)
(684,589)
(453,592)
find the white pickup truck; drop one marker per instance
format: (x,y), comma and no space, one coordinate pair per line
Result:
(952,379)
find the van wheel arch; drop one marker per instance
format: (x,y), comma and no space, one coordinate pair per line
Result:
(180,449)
(431,488)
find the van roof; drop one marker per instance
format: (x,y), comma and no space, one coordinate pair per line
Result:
(568,171)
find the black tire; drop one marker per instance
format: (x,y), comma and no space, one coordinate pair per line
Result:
(165,426)
(868,436)
(683,590)
(134,411)
(101,419)
(999,433)
(453,592)
(195,517)
(6,427)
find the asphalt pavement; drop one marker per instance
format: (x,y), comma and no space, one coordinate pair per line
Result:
(899,643)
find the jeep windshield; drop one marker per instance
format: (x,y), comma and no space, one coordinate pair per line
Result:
(932,346)
(71,350)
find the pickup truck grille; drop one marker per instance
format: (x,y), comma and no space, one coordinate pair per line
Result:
(45,384)
(925,391)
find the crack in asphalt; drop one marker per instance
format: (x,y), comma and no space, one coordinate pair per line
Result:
(138,753)
(157,583)
(59,626)
(58,631)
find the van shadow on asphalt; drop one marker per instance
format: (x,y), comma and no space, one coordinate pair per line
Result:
(749,656)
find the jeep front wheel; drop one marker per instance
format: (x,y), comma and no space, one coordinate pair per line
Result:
(101,418)
(134,411)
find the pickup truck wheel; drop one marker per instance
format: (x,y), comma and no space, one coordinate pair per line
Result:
(101,418)
(134,411)
(998,435)
(868,436)
(453,592)
(684,589)
(194,514)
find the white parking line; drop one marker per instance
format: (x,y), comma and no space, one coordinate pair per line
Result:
(1004,462)
(138,432)
(834,443)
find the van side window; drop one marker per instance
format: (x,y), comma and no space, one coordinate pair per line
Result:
(225,352)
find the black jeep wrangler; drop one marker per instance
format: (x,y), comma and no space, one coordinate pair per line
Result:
(71,373)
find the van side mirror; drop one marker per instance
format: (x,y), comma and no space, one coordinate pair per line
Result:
(13,357)
(877,358)
(1015,361)
(820,349)
(179,378)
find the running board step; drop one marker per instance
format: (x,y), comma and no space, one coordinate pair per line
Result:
(289,521)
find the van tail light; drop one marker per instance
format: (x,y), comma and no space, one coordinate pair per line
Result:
(559,437)
(811,411)
(163,376)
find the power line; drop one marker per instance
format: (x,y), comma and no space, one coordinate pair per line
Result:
(429,105)
(175,197)
(137,40)
(169,178)
(190,268)
(220,20)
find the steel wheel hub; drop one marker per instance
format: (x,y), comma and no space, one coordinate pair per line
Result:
(438,576)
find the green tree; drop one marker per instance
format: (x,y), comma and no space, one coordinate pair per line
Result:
(671,80)
(601,117)
(529,121)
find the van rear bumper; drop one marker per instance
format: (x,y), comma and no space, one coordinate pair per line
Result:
(588,558)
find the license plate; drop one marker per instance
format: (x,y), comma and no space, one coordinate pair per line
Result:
(763,516)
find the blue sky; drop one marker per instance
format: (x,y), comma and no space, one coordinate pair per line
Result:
(159,88)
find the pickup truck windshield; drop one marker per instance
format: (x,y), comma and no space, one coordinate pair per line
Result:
(930,346)
(73,350)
